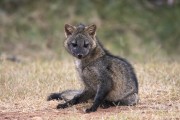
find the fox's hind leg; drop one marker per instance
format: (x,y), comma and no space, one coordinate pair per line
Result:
(130,100)
(106,104)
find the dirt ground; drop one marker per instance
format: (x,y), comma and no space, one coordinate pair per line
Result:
(140,111)
(64,114)
(56,114)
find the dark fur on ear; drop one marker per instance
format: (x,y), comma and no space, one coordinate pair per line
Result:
(91,30)
(69,29)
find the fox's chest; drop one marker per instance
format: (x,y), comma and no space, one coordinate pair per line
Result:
(89,77)
(88,74)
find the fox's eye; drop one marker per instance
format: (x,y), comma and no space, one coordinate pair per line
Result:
(86,45)
(74,44)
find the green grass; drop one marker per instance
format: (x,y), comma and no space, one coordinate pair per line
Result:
(126,27)
(25,86)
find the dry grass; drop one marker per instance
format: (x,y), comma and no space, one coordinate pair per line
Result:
(25,86)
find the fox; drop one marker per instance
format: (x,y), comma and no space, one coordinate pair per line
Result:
(107,79)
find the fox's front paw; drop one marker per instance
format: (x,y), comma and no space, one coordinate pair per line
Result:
(90,110)
(62,106)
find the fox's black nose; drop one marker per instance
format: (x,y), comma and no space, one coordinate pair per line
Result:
(79,56)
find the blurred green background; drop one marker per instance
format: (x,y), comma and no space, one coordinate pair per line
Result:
(140,30)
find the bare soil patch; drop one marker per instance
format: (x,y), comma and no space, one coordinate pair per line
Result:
(140,111)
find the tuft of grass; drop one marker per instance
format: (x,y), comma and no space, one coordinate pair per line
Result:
(25,86)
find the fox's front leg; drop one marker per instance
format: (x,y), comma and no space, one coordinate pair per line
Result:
(103,90)
(82,97)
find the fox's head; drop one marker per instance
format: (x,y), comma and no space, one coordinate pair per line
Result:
(80,40)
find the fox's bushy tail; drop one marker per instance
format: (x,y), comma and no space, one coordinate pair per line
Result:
(65,95)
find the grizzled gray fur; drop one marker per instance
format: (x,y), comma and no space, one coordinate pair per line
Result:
(108,80)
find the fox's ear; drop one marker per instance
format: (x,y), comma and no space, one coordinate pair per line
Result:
(91,30)
(69,29)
